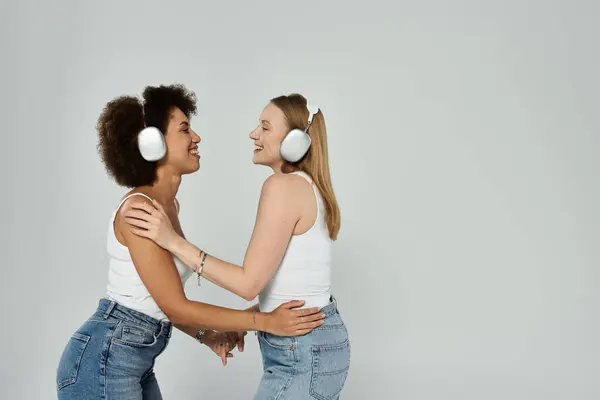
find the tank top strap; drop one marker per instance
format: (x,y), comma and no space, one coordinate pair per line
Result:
(127,198)
(314,188)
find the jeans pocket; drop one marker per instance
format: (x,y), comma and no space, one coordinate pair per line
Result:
(278,342)
(330,365)
(70,361)
(134,336)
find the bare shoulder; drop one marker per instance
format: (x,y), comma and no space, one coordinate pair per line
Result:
(285,183)
(291,192)
(277,185)
(137,198)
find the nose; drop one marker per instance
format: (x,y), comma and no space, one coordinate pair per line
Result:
(195,137)
(254,134)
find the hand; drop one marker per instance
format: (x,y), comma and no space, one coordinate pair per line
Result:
(283,321)
(151,222)
(221,343)
(238,338)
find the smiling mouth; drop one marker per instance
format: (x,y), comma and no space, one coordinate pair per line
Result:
(195,153)
(257,148)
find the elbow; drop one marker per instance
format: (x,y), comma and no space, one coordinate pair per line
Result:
(249,296)
(249,293)
(177,319)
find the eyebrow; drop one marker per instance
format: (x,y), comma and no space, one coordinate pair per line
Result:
(264,121)
(185,123)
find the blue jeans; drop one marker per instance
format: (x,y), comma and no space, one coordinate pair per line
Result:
(111,356)
(312,366)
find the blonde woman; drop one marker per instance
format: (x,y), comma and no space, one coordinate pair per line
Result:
(289,254)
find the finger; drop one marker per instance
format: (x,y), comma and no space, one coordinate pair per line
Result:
(302,332)
(141,232)
(293,304)
(225,348)
(310,311)
(232,337)
(232,340)
(310,318)
(223,354)
(139,205)
(309,325)
(241,342)
(144,216)
(159,207)
(138,222)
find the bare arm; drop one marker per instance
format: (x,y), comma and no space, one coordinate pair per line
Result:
(274,226)
(188,330)
(157,271)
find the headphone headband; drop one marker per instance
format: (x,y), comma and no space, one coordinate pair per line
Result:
(151,141)
(312,110)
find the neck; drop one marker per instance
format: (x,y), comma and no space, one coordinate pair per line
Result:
(283,168)
(277,167)
(165,187)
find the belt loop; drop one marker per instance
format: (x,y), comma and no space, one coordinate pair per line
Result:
(166,328)
(334,301)
(109,309)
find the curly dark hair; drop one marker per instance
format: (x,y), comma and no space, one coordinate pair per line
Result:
(122,119)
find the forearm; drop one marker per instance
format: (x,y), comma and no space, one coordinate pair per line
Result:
(226,275)
(193,330)
(188,330)
(195,315)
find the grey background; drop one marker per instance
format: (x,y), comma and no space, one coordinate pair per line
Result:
(463,138)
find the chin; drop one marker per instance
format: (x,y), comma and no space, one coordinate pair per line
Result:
(256,160)
(192,169)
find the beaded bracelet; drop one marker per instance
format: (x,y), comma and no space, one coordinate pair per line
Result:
(201,267)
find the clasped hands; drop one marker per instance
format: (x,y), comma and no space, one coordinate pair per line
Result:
(222,343)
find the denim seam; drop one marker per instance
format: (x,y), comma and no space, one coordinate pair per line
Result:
(286,386)
(295,366)
(104,356)
(82,338)
(315,365)
(276,346)
(329,373)
(345,343)
(329,328)
(134,344)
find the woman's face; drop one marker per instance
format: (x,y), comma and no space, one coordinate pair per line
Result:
(182,144)
(267,137)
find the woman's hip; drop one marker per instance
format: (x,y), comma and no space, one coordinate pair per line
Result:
(329,338)
(314,365)
(111,343)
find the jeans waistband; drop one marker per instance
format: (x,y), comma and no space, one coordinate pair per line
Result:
(110,308)
(330,308)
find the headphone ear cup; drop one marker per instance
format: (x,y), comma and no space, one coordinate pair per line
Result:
(151,143)
(295,145)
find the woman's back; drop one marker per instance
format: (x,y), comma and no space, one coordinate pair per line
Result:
(305,270)
(124,283)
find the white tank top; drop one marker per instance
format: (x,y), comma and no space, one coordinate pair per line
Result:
(305,270)
(124,284)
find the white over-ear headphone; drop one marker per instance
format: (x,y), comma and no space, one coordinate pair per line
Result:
(296,143)
(151,142)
